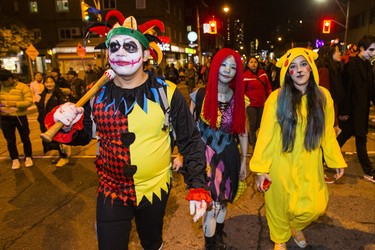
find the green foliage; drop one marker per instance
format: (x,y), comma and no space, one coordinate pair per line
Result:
(14,38)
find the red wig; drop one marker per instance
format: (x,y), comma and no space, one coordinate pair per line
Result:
(210,106)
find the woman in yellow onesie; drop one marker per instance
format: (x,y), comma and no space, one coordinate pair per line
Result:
(295,132)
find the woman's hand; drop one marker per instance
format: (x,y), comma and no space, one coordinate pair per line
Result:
(260,179)
(339,173)
(243,169)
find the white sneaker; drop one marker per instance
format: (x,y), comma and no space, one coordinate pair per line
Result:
(16,164)
(62,162)
(29,162)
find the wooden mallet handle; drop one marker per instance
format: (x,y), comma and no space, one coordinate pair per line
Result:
(52,131)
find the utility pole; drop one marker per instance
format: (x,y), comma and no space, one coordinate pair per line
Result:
(199,48)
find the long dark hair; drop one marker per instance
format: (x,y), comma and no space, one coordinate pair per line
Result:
(289,103)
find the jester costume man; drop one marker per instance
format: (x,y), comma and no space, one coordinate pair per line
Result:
(133,131)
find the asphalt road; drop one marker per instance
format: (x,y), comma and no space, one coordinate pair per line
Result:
(44,207)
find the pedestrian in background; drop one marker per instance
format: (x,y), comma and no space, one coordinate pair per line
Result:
(204,71)
(77,86)
(296,131)
(354,110)
(190,77)
(15,98)
(37,86)
(257,88)
(220,110)
(59,80)
(330,59)
(90,75)
(49,99)
(172,74)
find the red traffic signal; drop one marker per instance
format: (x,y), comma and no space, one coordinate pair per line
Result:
(213,27)
(327,26)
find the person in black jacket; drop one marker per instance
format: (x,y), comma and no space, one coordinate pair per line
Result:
(77,86)
(49,99)
(355,108)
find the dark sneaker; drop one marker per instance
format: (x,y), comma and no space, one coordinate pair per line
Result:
(54,161)
(328,180)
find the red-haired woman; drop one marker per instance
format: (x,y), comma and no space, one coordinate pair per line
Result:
(220,111)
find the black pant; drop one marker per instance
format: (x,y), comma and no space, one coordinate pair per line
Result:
(254,115)
(8,126)
(114,222)
(360,144)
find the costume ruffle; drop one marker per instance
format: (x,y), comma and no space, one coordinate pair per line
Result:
(198,194)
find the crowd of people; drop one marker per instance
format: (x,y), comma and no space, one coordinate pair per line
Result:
(45,92)
(295,113)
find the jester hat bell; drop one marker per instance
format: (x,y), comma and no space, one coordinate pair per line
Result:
(285,61)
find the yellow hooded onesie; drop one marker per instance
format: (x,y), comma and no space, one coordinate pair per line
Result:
(298,194)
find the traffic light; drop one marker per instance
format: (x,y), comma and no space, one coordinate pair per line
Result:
(327,26)
(213,27)
(85,11)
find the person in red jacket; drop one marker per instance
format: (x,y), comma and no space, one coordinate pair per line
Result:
(257,88)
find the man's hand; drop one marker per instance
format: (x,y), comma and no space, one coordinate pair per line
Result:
(177,162)
(68,114)
(198,208)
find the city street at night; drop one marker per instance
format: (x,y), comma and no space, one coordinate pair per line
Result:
(44,207)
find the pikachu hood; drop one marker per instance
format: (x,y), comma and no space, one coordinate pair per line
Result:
(289,56)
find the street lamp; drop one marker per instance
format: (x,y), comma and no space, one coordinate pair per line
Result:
(227,35)
(346,15)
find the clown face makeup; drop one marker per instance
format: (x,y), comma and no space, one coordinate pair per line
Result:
(227,70)
(300,70)
(369,53)
(125,55)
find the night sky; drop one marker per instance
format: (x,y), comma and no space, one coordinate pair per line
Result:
(262,16)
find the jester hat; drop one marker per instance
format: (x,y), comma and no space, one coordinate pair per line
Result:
(290,55)
(144,33)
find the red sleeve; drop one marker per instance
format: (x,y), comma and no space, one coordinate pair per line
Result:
(62,136)
(324,77)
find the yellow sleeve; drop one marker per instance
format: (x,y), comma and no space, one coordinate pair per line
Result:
(247,101)
(331,149)
(268,137)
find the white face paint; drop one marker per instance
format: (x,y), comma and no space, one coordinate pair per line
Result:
(125,55)
(227,70)
(369,53)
